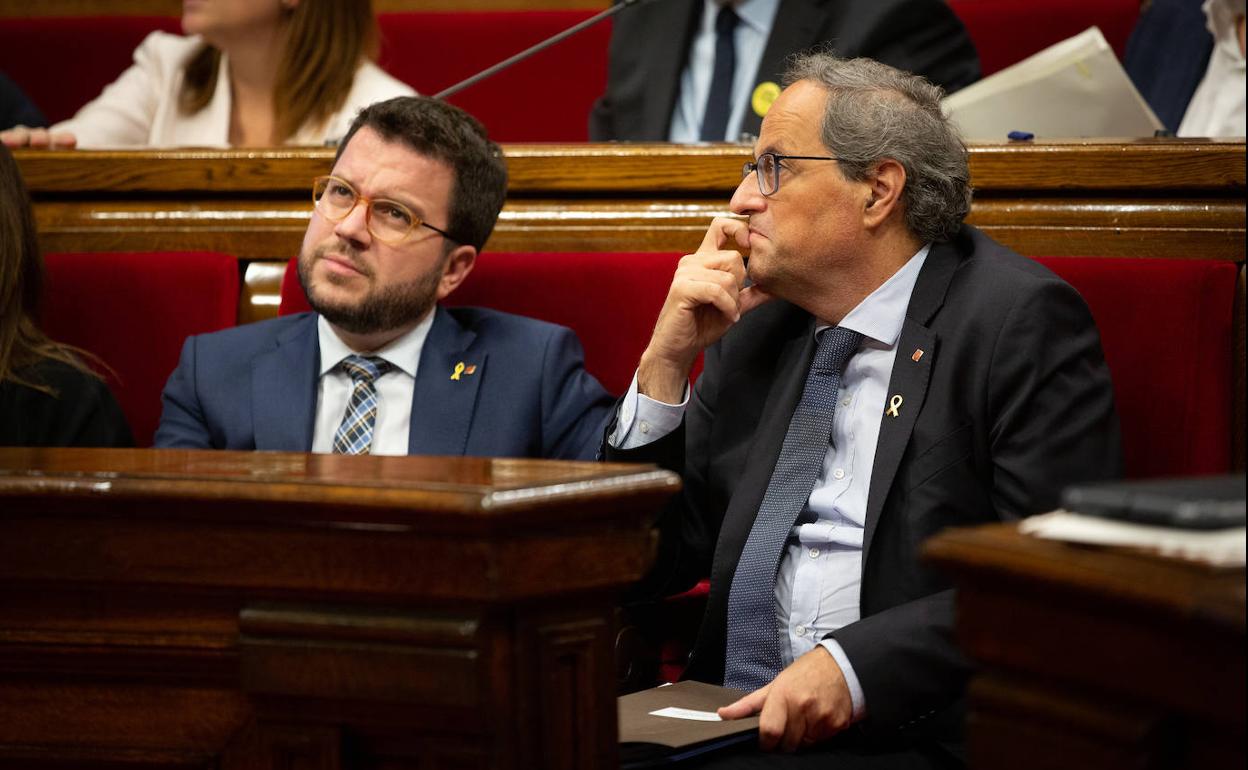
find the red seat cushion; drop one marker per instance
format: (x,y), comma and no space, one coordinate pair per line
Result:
(1008,31)
(609,299)
(1166,326)
(134,311)
(64,62)
(546,98)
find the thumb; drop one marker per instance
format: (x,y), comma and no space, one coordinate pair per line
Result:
(746,706)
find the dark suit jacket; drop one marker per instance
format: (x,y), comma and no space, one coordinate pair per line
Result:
(81,411)
(254,387)
(1009,402)
(1167,56)
(650,45)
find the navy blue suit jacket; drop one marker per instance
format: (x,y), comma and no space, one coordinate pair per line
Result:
(254,387)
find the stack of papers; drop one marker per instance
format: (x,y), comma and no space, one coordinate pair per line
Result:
(1076,88)
(1219,547)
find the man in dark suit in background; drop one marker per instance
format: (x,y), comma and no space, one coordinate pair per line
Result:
(886,372)
(380,367)
(688,70)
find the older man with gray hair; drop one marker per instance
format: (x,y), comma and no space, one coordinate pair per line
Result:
(878,372)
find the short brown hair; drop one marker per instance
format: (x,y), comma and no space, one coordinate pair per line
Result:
(325,42)
(444,132)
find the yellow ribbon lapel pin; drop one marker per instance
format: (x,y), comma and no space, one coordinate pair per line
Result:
(463,369)
(894,404)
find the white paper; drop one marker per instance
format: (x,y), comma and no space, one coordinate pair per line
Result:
(679,713)
(1075,88)
(1220,547)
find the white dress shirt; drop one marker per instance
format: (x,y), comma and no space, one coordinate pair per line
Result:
(1217,107)
(750,37)
(819,581)
(395,389)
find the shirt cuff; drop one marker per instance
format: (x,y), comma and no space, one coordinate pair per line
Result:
(641,420)
(851,679)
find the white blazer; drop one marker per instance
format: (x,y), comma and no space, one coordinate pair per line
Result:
(140,108)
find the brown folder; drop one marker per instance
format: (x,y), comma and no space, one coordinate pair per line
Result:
(647,740)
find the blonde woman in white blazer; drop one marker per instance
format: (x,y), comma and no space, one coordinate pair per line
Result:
(251,73)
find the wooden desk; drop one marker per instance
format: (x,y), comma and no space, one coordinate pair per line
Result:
(180,609)
(1096,658)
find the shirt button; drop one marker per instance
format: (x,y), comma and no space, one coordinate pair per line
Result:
(814,553)
(845,402)
(839,473)
(800,630)
(643,426)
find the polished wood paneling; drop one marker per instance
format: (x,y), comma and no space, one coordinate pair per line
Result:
(1096,657)
(230,610)
(1164,198)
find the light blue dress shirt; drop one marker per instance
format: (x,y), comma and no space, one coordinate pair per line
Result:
(750,37)
(819,582)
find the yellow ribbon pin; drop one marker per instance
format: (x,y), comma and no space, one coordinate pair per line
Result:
(894,404)
(764,94)
(459,369)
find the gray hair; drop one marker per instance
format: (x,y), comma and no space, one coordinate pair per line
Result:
(876,112)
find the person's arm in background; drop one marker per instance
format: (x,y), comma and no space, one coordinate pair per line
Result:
(123,113)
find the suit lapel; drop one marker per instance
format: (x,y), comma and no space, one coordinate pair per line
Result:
(786,389)
(667,61)
(442,407)
(796,27)
(283,389)
(909,379)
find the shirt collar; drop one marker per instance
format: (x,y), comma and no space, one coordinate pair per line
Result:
(403,353)
(881,314)
(758,14)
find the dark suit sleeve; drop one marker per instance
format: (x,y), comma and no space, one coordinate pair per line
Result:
(1051,423)
(575,406)
(182,423)
(924,37)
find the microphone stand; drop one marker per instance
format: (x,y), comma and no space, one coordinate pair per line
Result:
(526,53)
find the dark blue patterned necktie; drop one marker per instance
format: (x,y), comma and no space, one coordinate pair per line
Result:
(719,100)
(355,433)
(753,653)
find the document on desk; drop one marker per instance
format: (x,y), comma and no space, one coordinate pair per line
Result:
(1075,88)
(664,725)
(1218,547)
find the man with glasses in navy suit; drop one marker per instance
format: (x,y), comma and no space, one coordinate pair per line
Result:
(380,367)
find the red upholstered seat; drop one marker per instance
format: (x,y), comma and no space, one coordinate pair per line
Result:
(609,299)
(134,311)
(64,62)
(1008,31)
(1166,326)
(544,99)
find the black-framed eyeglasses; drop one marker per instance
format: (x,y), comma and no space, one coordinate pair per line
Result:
(767,169)
(388,221)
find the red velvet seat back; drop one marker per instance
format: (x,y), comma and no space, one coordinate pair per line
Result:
(1166,326)
(64,62)
(609,299)
(1008,31)
(546,98)
(134,311)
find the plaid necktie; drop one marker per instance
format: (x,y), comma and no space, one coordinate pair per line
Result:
(355,432)
(753,653)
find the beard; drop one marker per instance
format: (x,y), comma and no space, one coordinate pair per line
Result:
(382,308)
